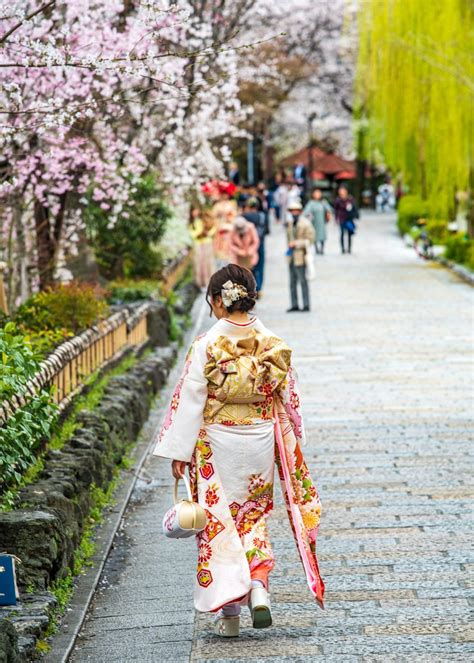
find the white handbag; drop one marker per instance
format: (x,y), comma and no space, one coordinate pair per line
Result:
(186,518)
(310,263)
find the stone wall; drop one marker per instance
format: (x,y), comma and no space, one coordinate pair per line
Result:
(46,529)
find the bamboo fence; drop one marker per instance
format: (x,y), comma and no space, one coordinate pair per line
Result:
(176,270)
(70,365)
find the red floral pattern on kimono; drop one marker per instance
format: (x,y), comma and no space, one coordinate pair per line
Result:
(179,431)
(235,411)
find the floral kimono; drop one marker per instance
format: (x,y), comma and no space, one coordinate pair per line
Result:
(234,413)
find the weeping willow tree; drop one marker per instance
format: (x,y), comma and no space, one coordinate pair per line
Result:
(415,83)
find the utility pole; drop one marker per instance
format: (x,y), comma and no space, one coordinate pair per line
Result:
(311,119)
(250,161)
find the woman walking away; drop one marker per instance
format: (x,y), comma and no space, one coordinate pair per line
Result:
(202,230)
(224,212)
(244,243)
(234,412)
(300,234)
(346,212)
(318,211)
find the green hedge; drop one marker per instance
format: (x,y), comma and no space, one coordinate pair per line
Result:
(130,290)
(460,248)
(31,424)
(437,230)
(129,246)
(410,210)
(50,317)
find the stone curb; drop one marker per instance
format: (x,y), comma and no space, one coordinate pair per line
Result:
(463,273)
(64,641)
(46,530)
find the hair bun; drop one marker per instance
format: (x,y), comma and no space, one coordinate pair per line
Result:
(247,303)
(236,286)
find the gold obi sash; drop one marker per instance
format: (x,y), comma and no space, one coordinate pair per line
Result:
(242,377)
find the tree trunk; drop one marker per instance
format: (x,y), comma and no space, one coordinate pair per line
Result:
(18,284)
(361,165)
(44,245)
(373,184)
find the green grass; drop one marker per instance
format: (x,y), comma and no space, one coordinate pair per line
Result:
(63,588)
(95,391)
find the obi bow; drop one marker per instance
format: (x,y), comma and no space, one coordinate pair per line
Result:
(248,370)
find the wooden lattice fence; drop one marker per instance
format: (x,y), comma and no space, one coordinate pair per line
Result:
(69,366)
(71,363)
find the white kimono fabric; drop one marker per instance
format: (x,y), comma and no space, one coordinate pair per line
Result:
(234,412)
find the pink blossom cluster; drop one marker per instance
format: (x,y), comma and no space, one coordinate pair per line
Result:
(93,93)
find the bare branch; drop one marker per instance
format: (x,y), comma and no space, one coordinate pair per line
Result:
(18,25)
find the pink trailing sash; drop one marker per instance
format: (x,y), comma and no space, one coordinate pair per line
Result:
(301,497)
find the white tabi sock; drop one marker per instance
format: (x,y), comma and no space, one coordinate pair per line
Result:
(231,610)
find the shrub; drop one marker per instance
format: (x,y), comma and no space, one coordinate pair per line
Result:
(43,342)
(470,257)
(437,230)
(65,309)
(128,290)
(410,209)
(29,425)
(128,249)
(460,249)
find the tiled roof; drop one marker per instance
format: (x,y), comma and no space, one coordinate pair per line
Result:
(329,164)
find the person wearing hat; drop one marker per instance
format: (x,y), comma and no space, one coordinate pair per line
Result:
(300,234)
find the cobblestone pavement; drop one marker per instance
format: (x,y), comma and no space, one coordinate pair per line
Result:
(383,360)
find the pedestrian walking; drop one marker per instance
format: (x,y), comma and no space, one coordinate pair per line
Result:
(294,195)
(262,197)
(202,231)
(243,243)
(281,200)
(244,195)
(318,210)
(345,212)
(300,234)
(224,212)
(260,222)
(385,198)
(300,175)
(235,411)
(234,174)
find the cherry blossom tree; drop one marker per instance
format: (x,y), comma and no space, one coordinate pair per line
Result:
(94,94)
(306,72)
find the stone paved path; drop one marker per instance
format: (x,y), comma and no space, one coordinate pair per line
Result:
(384,364)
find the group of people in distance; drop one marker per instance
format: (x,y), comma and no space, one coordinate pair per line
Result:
(233,228)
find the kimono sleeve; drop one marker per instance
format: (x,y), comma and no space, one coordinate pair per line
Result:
(289,394)
(184,417)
